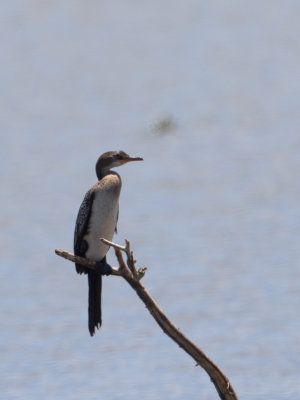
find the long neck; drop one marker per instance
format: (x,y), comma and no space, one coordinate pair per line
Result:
(102,168)
(101,172)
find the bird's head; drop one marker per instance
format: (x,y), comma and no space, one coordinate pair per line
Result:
(112,159)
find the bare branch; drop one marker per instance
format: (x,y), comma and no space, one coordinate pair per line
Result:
(115,245)
(138,274)
(133,276)
(84,261)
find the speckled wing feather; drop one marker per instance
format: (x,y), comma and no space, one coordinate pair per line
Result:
(81,227)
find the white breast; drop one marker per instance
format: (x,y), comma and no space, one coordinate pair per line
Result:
(103,220)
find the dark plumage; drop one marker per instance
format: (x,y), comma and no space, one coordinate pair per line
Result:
(97,217)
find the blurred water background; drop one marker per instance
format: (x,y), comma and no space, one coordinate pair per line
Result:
(208,93)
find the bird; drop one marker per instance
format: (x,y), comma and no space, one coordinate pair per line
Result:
(97,218)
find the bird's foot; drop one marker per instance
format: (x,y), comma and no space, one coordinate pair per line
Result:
(102,268)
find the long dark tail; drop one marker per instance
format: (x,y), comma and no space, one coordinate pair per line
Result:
(95,288)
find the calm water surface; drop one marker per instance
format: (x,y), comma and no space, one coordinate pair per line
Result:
(213,211)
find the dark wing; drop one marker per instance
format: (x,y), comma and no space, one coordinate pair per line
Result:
(81,227)
(116,228)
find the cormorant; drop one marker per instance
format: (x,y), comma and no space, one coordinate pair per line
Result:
(97,217)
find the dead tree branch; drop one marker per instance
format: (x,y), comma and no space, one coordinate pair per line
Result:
(133,276)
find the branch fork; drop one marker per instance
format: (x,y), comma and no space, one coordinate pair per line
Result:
(128,270)
(130,267)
